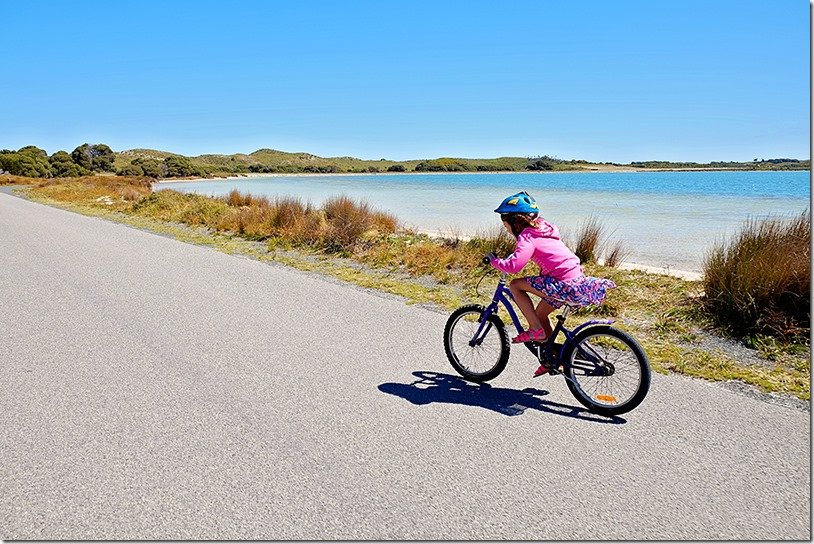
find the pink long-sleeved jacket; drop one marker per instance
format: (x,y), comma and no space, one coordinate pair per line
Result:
(543,246)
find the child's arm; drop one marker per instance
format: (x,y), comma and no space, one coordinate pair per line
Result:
(515,262)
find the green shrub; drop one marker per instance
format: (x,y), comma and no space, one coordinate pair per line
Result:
(130,170)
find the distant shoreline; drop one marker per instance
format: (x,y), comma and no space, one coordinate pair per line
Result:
(601,169)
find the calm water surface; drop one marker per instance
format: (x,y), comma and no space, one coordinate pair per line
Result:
(665,219)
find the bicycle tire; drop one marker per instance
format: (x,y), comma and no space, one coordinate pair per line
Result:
(596,392)
(493,350)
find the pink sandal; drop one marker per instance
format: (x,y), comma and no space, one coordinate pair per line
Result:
(533,335)
(521,338)
(543,369)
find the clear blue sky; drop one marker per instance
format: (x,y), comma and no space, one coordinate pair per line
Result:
(618,81)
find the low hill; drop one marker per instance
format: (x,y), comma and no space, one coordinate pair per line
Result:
(99,158)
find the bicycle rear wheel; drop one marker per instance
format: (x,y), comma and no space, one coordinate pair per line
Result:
(607,370)
(477,360)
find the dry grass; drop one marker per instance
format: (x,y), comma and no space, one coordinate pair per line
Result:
(8,179)
(617,255)
(760,281)
(113,191)
(589,237)
(341,225)
(493,240)
(348,220)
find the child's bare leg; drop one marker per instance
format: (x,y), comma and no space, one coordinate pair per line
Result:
(520,289)
(543,310)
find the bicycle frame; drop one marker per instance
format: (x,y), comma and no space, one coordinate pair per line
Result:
(504,296)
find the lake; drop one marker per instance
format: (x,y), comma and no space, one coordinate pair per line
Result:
(665,219)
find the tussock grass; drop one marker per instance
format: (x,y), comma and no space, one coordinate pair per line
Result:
(759,282)
(339,226)
(617,255)
(588,239)
(591,242)
(348,220)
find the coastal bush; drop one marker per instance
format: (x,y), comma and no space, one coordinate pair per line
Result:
(152,168)
(178,166)
(542,163)
(94,157)
(63,166)
(130,170)
(758,282)
(28,161)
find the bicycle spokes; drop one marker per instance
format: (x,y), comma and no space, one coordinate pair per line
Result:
(607,370)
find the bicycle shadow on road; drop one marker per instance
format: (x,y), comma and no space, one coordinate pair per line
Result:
(433,387)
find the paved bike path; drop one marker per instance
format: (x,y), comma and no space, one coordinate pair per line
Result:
(152,389)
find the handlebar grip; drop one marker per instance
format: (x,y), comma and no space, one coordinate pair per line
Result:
(486,259)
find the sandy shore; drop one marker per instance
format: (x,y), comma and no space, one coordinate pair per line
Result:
(683,274)
(597,168)
(689,275)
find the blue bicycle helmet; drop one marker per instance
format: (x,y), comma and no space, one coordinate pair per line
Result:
(518,203)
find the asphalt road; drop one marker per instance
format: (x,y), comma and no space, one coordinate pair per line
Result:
(152,389)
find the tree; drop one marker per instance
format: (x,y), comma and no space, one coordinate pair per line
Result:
(396,168)
(130,170)
(179,167)
(62,166)
(151,167)
(96,157)
(33,150)
(542,163)
(29,161)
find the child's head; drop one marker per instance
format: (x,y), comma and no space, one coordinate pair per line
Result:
(518,211)
(517,222)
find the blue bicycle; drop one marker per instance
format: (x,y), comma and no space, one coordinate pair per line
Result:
(605,368)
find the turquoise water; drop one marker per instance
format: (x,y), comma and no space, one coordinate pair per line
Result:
(665,219)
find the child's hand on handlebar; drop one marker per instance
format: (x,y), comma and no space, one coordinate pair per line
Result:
(487,259)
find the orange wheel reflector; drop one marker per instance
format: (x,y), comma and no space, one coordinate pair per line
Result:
(606,398)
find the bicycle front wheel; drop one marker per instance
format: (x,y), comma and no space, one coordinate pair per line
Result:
(476,359)
(607,370)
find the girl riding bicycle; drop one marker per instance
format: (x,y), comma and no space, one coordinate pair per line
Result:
(561,280)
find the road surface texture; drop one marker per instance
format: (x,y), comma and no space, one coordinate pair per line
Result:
(153,389)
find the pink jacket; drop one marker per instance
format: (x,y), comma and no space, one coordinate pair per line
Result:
(543,246)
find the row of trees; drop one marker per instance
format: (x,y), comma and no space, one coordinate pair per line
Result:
(87,159)
(174,166)
(31,161)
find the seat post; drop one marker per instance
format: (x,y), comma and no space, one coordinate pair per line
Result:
(564,313)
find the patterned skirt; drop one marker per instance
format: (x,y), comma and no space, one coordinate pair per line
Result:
(581,291)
